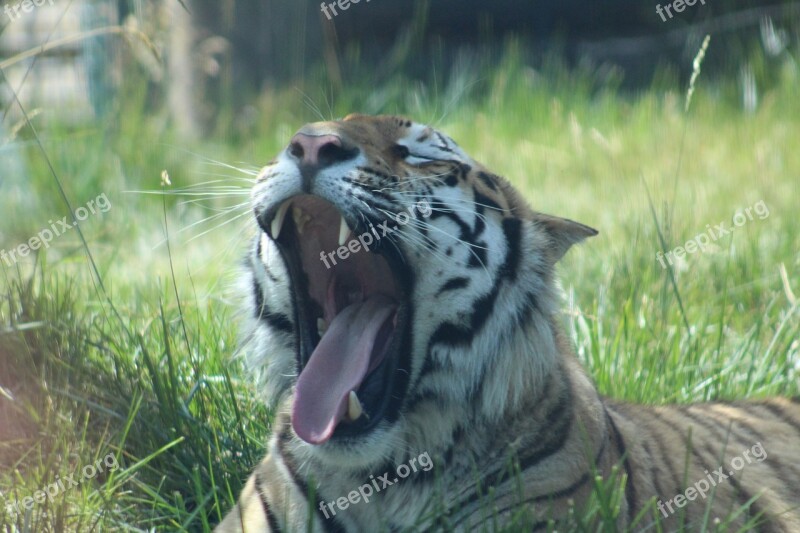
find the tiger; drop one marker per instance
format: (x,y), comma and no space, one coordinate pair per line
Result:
(403,311)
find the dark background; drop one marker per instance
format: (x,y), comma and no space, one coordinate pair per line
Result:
(627,33)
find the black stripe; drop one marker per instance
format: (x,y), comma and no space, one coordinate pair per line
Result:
(482,202)
(655,466)
(571,489)
(430,366)
(331,524)
(457,436)
(368,170)
(555,430)
(478,257)
(441,209)
(271,520)
(454,335)
(743,494)
(557,427)
(443,146)
(723,434)
(675,476)
(386,197)
(278,321)
(378,205)
(565,492)
(653,471)
(512,229)
(753,509)
(468,235)
(487,180)
(424,396)
(630,488)
(260,263)
(453,284)
(258,296)
(523,314)
(530,304)
(783,416)
(747,427)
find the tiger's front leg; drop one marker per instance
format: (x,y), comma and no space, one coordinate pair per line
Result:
(270,501)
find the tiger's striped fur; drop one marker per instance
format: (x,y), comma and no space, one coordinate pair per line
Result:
(488,387)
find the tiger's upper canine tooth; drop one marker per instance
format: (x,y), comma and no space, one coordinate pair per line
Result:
(354,409)
(322,326)
(277,222)
(344,232)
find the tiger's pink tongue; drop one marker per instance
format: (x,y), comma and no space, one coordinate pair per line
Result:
(338,365)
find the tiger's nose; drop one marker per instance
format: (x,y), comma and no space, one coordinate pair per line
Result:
(314,152)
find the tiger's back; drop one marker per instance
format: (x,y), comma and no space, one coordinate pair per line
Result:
(403,305)
(736,464)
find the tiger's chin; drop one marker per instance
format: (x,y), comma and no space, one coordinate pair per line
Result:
(352,316)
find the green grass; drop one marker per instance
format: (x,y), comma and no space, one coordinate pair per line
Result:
(142,366)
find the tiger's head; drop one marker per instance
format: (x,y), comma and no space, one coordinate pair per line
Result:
(397,285)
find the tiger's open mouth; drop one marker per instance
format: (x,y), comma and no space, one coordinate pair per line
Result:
(351,317)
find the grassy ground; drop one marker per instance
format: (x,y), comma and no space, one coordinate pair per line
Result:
(130,362)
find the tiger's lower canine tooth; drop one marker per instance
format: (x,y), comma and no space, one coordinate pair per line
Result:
(354,409)
(344,232)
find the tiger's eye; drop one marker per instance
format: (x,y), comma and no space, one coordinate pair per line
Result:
(400,151)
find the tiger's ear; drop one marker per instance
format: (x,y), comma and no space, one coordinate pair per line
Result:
(563,233)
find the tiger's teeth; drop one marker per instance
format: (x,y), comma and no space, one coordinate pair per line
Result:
(354,409)
(277,222)
(322,326)
(300,219)
(344,232)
